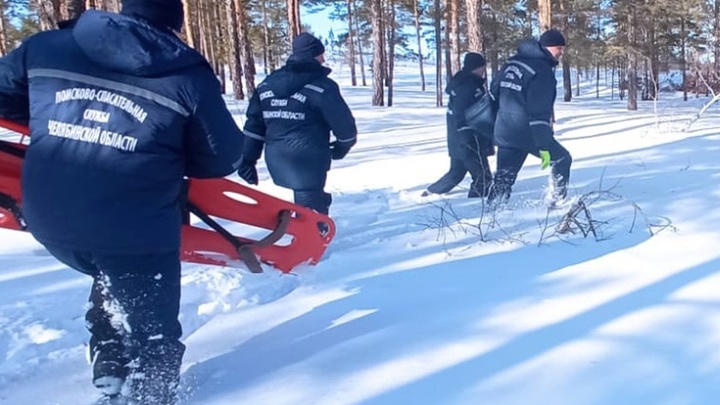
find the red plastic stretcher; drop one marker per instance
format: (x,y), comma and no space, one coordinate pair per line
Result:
(294,235)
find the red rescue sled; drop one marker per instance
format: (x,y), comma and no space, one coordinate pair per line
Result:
(293,235)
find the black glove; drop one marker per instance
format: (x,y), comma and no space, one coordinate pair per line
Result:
(338,150)
(248,172)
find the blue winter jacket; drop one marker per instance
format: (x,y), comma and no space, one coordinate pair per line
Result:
(291,114)
(525,88)
(119,112)
(464,88)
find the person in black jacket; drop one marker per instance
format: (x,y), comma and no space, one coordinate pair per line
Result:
(468,149)
(120,111)
(291,115)
(525,88)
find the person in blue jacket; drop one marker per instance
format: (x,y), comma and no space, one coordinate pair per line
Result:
(291,115)
(120,110)
(526,89)
(468,149)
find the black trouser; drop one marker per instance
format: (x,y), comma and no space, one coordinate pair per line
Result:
(468,159)
(451,179)
(510,161)
(133,319)
(315,199)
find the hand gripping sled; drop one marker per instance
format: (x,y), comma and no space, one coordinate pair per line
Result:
(298,235)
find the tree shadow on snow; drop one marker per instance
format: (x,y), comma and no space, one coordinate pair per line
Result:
(449,385)
(403,313)
(412,310)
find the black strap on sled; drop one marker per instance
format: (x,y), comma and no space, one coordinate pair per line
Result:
(245,249)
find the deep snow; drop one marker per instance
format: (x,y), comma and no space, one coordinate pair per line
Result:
(414,303)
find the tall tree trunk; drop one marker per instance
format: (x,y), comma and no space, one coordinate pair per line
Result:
(716,30)
(378,55)
(205,42)
(210,25)
(220,39)
(294,25)
(494,53)
(386,40)
(683,61)
(632,60)
(188,24)
(612,81)
(454,33)
(597,79)
(360,48)
(48,13)
(200,27)
(72,9)
(418,34)
(654,61)
(527,28)
(448,52)
(577,80)
(567,80)
(567,77)
(267,61)
(474,30)
(351,43)
(391,51)
(544,15)
(3,30)
(645,93)
(622,77)
(438,56)
(245,47)
(234,60)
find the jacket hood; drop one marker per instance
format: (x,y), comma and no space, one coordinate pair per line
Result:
(464,78)
(295,75)
(131,46)
(531,49)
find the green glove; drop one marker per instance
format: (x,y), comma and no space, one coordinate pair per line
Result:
(545,157)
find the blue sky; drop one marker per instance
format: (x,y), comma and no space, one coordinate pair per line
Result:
(320,22)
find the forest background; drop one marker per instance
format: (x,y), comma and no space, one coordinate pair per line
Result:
(665,45)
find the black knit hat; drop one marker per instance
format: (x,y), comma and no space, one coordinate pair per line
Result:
(473,61)
(306,46)
(552,37)
(161,13)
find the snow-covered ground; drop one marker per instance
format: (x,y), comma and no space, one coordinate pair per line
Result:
(436,300)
